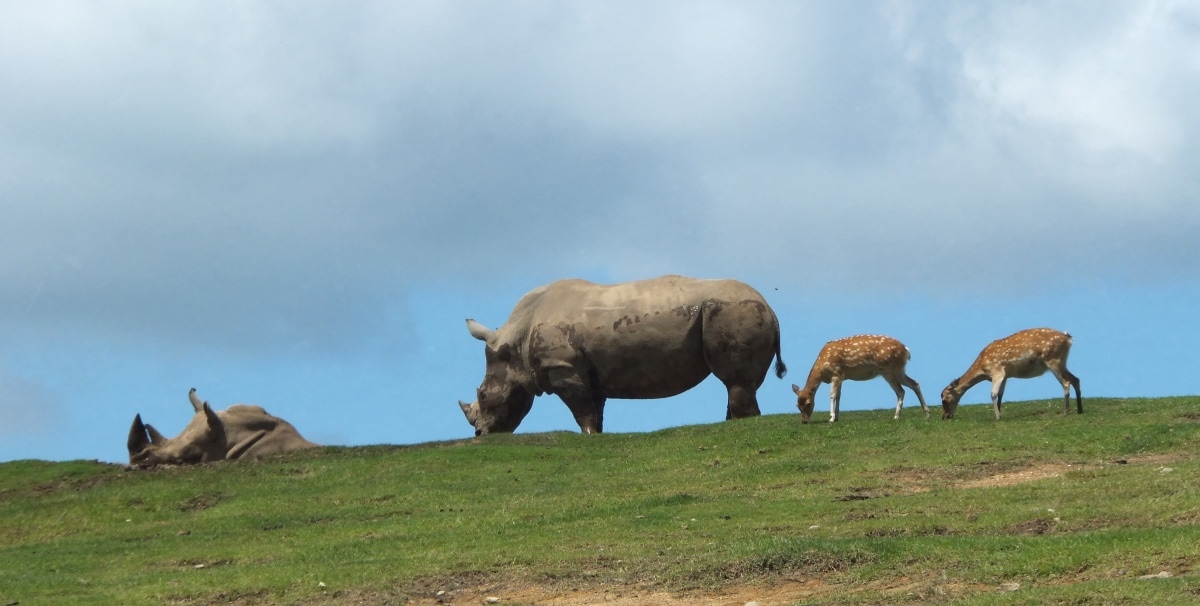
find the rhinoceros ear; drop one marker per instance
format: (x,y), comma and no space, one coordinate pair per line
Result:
(214,421)
(479,331)
(138,440)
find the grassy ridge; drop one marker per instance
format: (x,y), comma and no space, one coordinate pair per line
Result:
(1069,507)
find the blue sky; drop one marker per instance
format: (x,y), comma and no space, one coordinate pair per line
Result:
(298,204)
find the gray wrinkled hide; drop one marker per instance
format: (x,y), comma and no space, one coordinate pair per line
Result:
(240,431)
(653,338)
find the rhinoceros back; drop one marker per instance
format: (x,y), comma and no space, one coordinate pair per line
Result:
(645,339)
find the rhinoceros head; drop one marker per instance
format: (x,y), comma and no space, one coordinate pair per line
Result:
(504,397)
(201,441)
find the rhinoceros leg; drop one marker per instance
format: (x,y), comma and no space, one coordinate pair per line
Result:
(586,406)
(574,387)
(742,402)
(598,406)
(240,449)
(587,409)
(739,344)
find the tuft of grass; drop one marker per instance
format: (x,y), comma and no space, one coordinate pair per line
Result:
(1068,508)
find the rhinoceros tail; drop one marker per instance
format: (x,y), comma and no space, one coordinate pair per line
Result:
(780,367)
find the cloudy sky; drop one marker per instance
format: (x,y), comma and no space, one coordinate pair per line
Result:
(297,204)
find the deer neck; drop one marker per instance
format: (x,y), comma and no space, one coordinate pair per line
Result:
(816,376)
(971,378)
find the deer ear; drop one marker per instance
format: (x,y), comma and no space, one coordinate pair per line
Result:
(795,389)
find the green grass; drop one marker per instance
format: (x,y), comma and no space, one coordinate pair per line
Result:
(875,510)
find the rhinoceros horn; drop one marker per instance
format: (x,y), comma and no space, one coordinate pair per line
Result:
(479,331)
(138,440)
(142,435)
(155,437)
(470,410)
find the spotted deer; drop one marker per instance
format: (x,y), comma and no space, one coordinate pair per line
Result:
(857,358)
(1024,355)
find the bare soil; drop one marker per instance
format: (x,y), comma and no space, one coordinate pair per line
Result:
(782,593)
(774,594)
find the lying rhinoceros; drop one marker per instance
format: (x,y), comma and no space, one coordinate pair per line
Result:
(240,431)
(653,338)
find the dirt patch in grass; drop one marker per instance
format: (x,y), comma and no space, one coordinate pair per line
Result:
(907,480)
(201,502)
(779,593)
(1042,471)
(784,592)
(1053,469)
(1037,526)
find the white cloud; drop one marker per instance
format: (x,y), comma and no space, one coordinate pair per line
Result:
(1111,78)
(287,173)
(675,72)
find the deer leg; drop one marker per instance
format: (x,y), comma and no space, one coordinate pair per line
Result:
(1067,380)
(895,385)
(1066,385)
(998,395)
(916,387)
(1073,381)
(835,398)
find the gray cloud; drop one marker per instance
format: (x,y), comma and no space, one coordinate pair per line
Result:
(250,176)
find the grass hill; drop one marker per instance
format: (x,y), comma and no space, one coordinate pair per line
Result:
(1038,508)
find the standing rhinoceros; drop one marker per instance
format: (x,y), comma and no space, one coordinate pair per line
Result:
(240,431)
(653,338)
